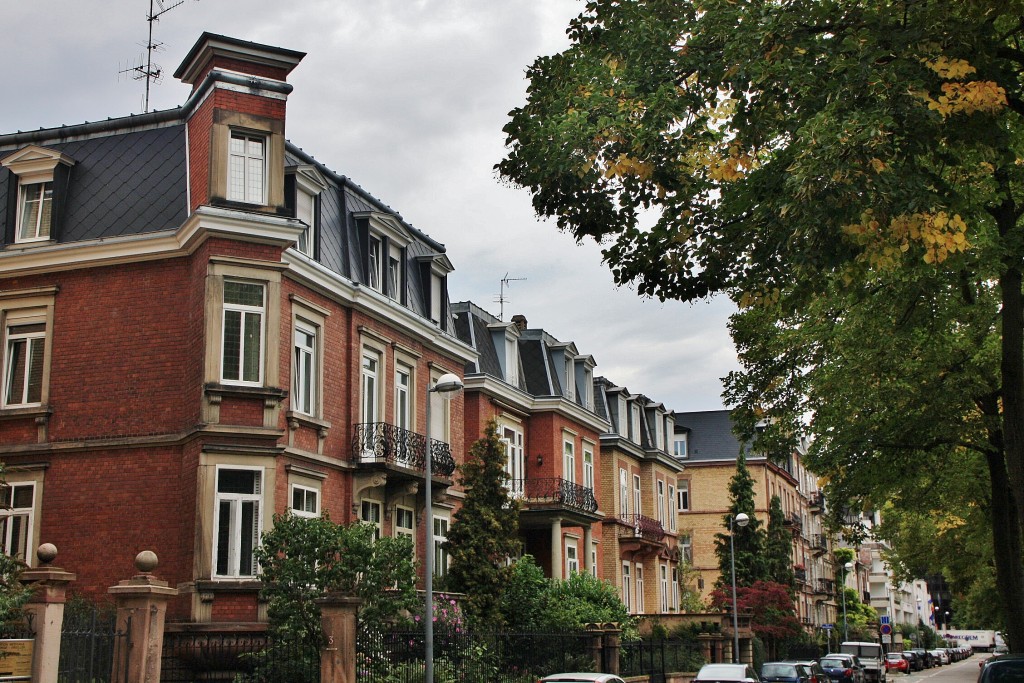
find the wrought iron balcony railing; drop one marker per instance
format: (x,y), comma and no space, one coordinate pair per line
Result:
(819,543)
(645,527)
(800,575)
(817,502)
(554,490)
(383,442)
(826,587)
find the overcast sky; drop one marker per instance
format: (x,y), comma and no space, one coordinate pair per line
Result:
(407,98)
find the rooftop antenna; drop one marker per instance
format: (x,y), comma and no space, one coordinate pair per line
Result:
(501,299)
(149,71)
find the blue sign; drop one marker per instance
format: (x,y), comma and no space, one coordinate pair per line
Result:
(828,627)
(883,619)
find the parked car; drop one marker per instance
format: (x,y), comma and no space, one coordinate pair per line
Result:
(926,658)
(871,657)
(842,668)
(814,671)
(784,672)
(727,673)
(941,658)
(582,678)
(1002,669)
(913,660)
(895,661)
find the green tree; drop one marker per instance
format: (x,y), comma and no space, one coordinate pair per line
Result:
(808,158)
(485,531)
(778,551)
(302,558)
(749,540)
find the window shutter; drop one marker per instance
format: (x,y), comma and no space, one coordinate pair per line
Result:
(61,187)
(11,210)
(289,195)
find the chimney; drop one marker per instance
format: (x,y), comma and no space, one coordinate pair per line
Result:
(519,321)
(214,51)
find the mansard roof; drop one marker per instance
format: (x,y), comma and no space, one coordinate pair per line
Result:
(709,435)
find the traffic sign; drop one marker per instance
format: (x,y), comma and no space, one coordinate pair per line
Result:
(828,627)
(886,628)
(884,619)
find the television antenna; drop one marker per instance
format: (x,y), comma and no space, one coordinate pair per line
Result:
(145,69)
(501,298)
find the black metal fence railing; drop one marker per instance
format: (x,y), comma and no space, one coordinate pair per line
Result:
(383,442)
(657,657)
(556,490)
(398,656)
(644,527)
(191,657)
(92,647)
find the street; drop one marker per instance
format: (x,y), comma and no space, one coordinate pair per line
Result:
(965,671)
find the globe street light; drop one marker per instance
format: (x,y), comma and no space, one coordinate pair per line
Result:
(447,386)
(741,521)
(846,627)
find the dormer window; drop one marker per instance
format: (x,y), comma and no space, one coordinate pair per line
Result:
(247,168)
(374,264)
(680,447)
(570,381)
(396,283)
(634,421)
(34,170)
(304,184)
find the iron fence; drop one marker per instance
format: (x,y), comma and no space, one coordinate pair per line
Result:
(240,657)
(644,527)
(398,656)
(383,442)
(656,657)
(92,647)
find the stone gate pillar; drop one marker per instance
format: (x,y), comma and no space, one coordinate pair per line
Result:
(46,607)
(142,599)
(338,620)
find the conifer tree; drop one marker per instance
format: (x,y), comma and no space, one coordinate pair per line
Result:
(485,531)
(778,555)
(749,540)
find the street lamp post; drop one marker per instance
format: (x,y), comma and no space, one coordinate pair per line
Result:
(846,627)
(741,521)
(447,385)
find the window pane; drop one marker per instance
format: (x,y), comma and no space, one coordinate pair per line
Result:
(46,211)
(15,371)
(251,344)
(243,293)
(249,534)
(22,497)
(223,536)
(232,343)
(237,481)
(35,370)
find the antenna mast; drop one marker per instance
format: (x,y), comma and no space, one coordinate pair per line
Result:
(149,71)
(501,297)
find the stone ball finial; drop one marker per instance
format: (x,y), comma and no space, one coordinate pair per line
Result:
(47,553)
(146,561)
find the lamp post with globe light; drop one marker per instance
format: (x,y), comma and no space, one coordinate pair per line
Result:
(446,387)
(741,521)
(846,627)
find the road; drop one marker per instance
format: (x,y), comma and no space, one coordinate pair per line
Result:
(964,671)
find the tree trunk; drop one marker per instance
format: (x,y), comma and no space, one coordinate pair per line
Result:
(1006,544)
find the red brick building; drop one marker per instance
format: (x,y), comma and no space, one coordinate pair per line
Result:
(203,326)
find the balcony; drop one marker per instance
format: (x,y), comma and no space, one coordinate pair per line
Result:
(825,587)
(554,491)
(817,502)
(644,527)
(800,575)
(383,443)
(794,521)
(819,544)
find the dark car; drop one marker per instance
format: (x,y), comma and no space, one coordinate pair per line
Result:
(842,668)
(813,670)
(926,657)
(1002,669)
(913,660)
(784,672)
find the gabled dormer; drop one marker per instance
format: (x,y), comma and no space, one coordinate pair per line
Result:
(383,241)
(37,190)
(505,338)
(583,367)
(562,356)
(303,186)
(433,271)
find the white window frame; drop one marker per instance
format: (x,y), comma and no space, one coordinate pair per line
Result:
(43,227)
(683,493)
(400,530)
(515,459)
(29,342)
(244,311)
(569,459)
(623,491)
(403,396)
(637,496)
(370,365)
(661,500)
(306,492)
(663,593)
(671,507)
(675,589)
(243,166)
(680,447)
(442,524)
(305,370)
(237,503)
(593,559)
(572,557)
(305,211)
(20,521)
(570,378)
(374,263)
(588,466)
(396,283)
(634,422)
(686,548)
(627,587)
(639,588)
(371,512)
(623,417)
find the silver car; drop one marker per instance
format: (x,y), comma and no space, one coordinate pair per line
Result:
(727,673)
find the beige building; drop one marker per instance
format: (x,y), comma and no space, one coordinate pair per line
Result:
(706,445)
